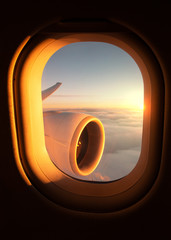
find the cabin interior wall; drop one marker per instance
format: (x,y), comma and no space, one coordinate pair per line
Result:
(26,214)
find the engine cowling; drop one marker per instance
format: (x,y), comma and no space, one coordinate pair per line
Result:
(74,141)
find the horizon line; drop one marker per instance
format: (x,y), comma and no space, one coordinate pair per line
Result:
(93,108)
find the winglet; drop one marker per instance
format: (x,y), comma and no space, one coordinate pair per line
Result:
(47,92)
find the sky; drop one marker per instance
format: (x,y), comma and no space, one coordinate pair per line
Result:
(93,74)
(102,80)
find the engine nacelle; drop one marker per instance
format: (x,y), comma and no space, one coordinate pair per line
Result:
(74,141)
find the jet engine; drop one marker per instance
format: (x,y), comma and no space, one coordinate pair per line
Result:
(74,141)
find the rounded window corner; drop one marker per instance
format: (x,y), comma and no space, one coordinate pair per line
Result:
(25,102)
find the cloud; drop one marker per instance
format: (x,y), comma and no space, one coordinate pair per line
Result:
(117,165)
(97,176)
(121,138)
(68,96)
(123,129)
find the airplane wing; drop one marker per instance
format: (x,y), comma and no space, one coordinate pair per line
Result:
(47,92)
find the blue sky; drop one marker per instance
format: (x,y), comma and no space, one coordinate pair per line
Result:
(93,74)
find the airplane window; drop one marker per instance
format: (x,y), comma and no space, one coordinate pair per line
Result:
(99,85)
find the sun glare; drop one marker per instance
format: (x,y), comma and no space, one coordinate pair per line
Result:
(142,107)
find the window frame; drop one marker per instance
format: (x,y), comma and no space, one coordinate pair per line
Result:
(27,125)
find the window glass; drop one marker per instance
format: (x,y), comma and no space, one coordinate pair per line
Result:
(101,80)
